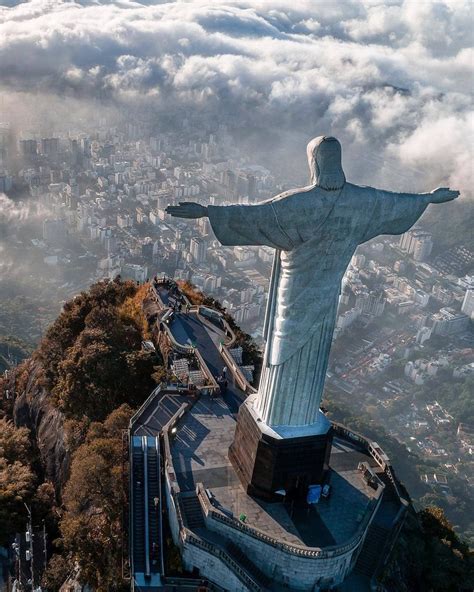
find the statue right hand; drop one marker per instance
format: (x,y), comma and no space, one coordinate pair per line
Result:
(187,209)
(442,194)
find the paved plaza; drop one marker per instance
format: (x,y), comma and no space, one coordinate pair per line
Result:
(200,455)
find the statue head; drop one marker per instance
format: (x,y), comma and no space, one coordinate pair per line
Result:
(324,159)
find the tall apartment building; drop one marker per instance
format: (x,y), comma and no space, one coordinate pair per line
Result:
(448,322)
(468,304)
(28,148)
(198,249)
(418,243)
(49,146)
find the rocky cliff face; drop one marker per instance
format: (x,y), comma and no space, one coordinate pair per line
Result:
(32,409)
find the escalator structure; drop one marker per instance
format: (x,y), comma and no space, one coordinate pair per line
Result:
(145,514)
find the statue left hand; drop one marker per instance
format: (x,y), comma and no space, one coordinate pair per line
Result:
(442,194)
(187,209)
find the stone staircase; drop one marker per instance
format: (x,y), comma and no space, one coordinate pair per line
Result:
(372,550)
(243,559)
(192,511)
(194,520)
(389,494)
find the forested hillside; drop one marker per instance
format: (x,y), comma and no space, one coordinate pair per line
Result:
(62,416)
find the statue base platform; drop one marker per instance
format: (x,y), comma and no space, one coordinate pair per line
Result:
(269,465)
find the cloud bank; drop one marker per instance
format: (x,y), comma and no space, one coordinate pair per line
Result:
(392,79)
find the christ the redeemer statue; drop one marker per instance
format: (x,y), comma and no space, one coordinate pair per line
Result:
(315,231)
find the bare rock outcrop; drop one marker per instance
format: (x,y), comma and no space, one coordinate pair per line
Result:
(33,409)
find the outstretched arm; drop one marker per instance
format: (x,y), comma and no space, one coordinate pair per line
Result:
(193,210)
(395,213)
(239,224)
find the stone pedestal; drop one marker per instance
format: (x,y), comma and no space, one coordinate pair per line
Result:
(266,464)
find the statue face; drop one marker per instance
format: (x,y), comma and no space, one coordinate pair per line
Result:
(324,159)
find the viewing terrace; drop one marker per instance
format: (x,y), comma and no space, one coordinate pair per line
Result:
(209,510)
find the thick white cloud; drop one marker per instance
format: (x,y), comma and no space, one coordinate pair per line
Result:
(13,212)
(392,79)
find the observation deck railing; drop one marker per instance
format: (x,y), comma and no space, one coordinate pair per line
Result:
(292,549)
(239,377)
(375,452)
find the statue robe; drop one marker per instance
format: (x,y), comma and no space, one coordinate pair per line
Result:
(315,233)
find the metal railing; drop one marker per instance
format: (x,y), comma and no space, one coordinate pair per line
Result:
(205,321)
(228,329)
(381,458)
(160,511)
(166,443)
(239,377)
(212,384)
(146,510)
(154,393)
(192,582)
(180,347)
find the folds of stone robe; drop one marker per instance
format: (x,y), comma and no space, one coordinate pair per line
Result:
(315,233)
